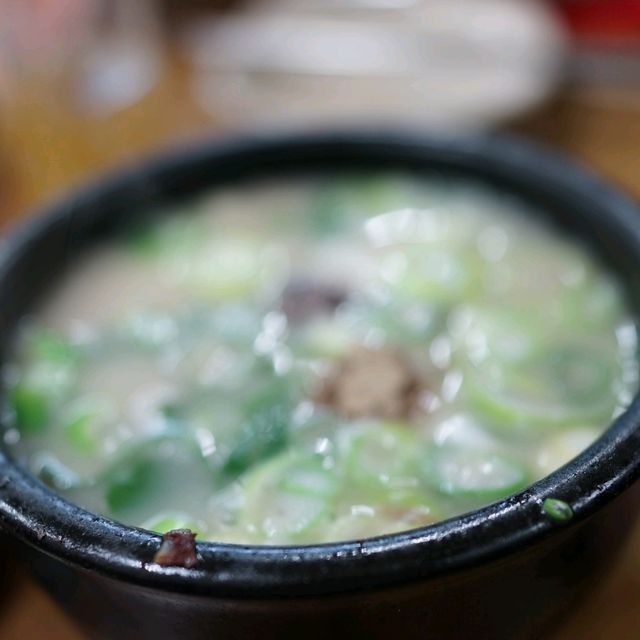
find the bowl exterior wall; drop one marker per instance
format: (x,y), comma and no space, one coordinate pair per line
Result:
(520,597)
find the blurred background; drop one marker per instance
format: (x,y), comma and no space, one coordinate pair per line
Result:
(86,85)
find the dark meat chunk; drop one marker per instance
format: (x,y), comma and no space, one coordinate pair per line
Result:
(369,383)
(178,549)
(303,300)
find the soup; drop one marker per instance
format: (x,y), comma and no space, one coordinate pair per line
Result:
(311,360)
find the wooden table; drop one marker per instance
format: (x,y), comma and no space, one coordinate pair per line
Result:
(42,151)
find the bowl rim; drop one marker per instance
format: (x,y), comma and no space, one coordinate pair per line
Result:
(34,514)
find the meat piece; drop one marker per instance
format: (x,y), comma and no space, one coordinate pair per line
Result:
(369,383)
(178,549)
(303,299)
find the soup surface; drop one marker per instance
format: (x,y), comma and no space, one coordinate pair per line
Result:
(320,359)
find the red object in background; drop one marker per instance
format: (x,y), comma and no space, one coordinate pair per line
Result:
(603,20)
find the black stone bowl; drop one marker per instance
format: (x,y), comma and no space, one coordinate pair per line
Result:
(505,571)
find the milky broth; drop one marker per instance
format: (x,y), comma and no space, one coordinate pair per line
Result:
(312,360)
